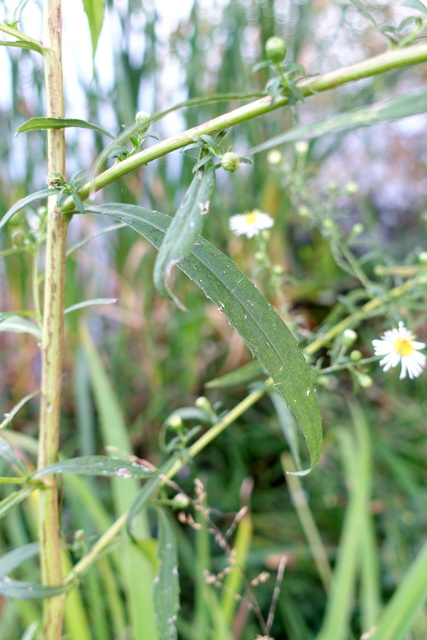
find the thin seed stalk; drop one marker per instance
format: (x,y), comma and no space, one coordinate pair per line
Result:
(53,329)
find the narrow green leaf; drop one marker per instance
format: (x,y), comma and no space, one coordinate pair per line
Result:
(415,4)
(17,590)
(94,10)
(7,453)
(262,329)
(397,617)
(33,197)
(9,252)
(136,573)
(288,426)
(184,229)
(166,583)
(90,303)
(12,413)
(13,500)
(146,492)
(15,558)
(234,579)
(36,124)
(394,109)
(358,461)
(22,44)
(98,466)
(16,324)
(248,373)
(31,631)
(82,242)
(18,11)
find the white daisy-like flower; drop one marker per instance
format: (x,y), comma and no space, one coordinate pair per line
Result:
(398,346)
(250,224)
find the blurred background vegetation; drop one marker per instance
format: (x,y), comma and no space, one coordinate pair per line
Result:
(158,359)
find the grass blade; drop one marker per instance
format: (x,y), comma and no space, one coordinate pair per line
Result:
(398,616)
(166,584)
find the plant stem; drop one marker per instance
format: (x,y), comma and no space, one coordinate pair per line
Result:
(365,69)
(368,309)
(198,446)
(232,415)
(53,329)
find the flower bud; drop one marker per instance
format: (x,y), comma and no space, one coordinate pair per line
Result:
(349,337)
(278,270)
(329,225)
(364,380)
(141,117)
(204,404)
(175,422)
(180,501)
(275,50)
(351,188)
(422,257)
(356,355)
(357,229)
(301,147)
(274,156)
(230,161)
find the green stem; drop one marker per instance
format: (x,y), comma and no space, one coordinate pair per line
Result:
(231,417)
(366,310)
(200,444)
(373,66)
(307,521)
(53,329)
(19,35)
(36,288)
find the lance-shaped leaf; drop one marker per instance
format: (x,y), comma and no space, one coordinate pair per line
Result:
(24,202)
(7,453)
(144,495)
(23,44)
(393,109)
(17,590)
(98,466)
(262,329)
(8,417)
(14,499)
(184,229)
(24,590)
(15,558)
(16,324)
(166,583)
(94,10)
(59,123)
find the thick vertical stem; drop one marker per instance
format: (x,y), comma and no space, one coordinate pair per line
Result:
(53,328)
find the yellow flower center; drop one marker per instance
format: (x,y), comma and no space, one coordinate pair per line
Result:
(251,217)
(403,346)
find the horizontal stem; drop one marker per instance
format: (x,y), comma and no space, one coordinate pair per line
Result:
(365,69)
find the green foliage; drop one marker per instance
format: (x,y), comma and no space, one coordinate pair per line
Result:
(246,310)
(94,10)
(178,459)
